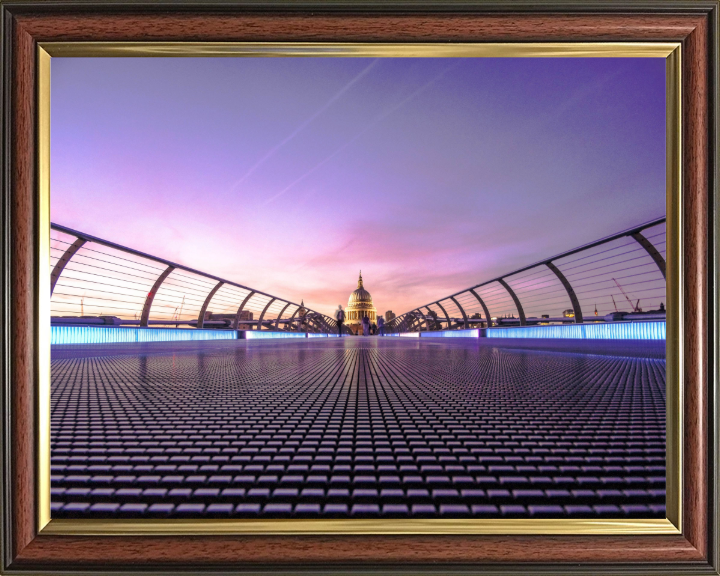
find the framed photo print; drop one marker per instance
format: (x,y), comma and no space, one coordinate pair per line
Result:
(359,288)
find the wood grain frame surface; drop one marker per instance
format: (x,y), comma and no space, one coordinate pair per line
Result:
(25,23)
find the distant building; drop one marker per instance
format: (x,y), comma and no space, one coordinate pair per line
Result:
(302,324)
(389,315)
(246,315)
(360,304)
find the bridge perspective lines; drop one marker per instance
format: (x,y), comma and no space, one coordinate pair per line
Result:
(358,427)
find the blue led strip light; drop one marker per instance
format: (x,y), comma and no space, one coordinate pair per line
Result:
(471,333)
(102,335)
(605,331)
(257,335)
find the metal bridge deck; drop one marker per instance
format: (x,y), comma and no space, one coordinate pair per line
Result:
(358,427)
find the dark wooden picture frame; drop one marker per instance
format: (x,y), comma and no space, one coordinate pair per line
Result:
(694,24)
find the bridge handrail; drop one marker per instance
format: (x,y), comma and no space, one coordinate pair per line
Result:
(323,323)
(413,319)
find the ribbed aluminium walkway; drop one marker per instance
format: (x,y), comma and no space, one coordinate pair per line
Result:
(358,427)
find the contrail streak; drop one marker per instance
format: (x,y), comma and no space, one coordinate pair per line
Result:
(363,131)
(305,124)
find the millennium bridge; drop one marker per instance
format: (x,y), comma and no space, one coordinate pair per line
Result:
(176,393)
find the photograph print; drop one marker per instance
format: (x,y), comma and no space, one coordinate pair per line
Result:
(358,288)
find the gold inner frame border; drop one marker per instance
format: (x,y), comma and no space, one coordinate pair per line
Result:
(670,51)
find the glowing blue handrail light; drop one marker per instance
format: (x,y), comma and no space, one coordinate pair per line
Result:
(470,333)
(258,335)
(604,331)
(108,335)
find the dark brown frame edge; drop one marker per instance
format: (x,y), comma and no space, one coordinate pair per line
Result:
(25,23)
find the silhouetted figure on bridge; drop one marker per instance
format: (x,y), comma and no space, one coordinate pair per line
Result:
(366,325)
(340,317)
(381,325)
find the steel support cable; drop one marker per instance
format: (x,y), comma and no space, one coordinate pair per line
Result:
(635,291)
(607,274)
(651,250)
(402,323)
(425,319)
(542,294)
(190,300)
(539,292)
(644,266)
(496,304)
(203,309)
(147,282)
(518,305)
(62,262)
(591,272)
(190,287)
(145,315)
(447,318)
(594,254)
(84,280)
(639,251)
(416,322)
(608,281)
(577,310)
(259,322)
(277,321)
(412,321)
(539,282)
(290,324)
(560,300)
(95,306)
(92,297)
(111,263)
(88,249)
(586,274)
(494,290)
(578,250)
(236,322)
(448,303)
(465,318)
(113,246)
(124,274)
(650,276)
(430,313)
(538,271)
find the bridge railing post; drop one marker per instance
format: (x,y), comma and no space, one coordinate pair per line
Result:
(577,310)
(203,309)
(488,319)
(465,318)
(518,305)
(262,315)
(62,262)
(277,321)
(145,315)
(236,322)
(447,318)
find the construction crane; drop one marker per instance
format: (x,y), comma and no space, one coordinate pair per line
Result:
(176,314)
(635,307)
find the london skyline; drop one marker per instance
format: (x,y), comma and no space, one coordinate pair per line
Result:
(430,175)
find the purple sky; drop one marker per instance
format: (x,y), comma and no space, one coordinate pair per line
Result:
(290,174)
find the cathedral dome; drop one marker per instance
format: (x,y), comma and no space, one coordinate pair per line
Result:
(360,296)
(360,304)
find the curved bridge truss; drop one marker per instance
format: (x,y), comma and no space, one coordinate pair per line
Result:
(94,281)
(618,277)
